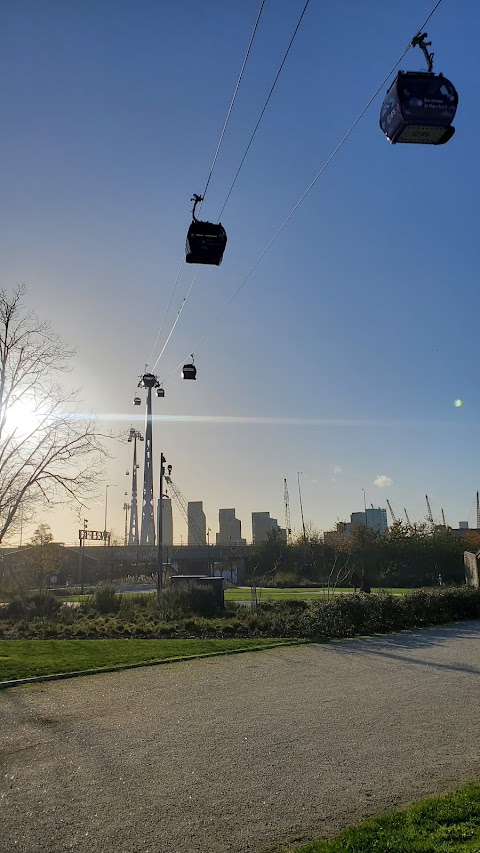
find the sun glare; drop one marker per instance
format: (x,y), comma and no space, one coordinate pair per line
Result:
(22,417)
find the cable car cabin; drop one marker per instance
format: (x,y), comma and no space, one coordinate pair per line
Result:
(160,392)
(136,401)
(419,108)
(189,371)
(206,243)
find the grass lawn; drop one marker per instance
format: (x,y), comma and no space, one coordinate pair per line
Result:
(24,658)
(438,825)
(243,593)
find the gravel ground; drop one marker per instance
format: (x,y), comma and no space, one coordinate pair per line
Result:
(240,753)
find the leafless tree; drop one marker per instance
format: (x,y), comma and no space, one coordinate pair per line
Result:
(50,453)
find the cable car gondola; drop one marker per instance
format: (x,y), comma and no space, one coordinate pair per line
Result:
(160,391)
(206,241)
(136,401)
(419,106)
(189,371)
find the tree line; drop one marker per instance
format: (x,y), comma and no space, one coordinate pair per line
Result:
(415,556)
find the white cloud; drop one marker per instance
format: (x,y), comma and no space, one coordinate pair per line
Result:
(382,481)
(337,469)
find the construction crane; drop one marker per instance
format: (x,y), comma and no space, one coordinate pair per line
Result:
(443,519)
(394,517)
(406,516)
(182,505)
(429,511)
(286,501)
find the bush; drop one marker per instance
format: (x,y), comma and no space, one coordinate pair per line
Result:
(194,599)
(36,605)
(105,599)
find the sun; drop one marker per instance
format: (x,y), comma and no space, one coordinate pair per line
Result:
(22,417)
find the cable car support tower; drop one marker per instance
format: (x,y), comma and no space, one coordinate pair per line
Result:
(147,535)
(134,435)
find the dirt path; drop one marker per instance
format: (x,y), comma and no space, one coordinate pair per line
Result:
(237,753)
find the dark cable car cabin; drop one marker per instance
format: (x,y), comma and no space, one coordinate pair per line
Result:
(189,371)
(160,391)
(206,241)
(419,106)
(136,401)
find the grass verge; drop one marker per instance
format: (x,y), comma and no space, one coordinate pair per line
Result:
(27,658)
(448,824)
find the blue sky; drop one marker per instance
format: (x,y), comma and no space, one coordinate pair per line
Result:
(360,321)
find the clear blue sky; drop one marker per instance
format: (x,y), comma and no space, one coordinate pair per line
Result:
(360,322)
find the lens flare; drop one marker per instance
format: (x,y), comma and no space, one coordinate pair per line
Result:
(458,403)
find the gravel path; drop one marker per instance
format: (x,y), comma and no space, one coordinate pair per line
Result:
(234,754)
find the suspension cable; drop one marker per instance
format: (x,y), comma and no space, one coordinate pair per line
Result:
(166,311)
(262,4)
(206,188)
(247,149)
(311,185)
(176,320)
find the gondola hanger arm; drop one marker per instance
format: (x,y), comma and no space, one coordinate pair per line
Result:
(197,199)
(419,41)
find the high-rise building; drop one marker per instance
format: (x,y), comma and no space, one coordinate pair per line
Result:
(375,519)
(263,526)
(197,523)
(230,532)
(167,521)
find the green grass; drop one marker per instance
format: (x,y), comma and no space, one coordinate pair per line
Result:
(448,824)
(25,658)
(308,594)
(244,594)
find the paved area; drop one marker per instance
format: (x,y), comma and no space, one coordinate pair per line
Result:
(239,753)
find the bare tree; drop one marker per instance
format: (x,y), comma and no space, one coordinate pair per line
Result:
(50,453)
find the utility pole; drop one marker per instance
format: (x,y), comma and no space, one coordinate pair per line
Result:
(286,501)
(301,505)
(160,527)
(134,436)
(147,536)
(110,486)
(81,555)
(126,507)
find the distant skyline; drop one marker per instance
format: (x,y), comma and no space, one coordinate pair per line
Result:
(345,354)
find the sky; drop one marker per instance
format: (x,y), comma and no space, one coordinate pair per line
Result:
(343,353)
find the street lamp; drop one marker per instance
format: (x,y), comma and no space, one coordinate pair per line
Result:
(110,486)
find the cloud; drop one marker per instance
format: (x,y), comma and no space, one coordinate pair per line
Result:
(382,481)
(337,469)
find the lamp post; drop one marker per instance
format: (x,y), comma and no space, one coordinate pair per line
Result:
(301,505)
(209,565)
(110,486)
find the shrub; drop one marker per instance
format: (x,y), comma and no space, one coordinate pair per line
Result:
(105,600)
(194,599)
